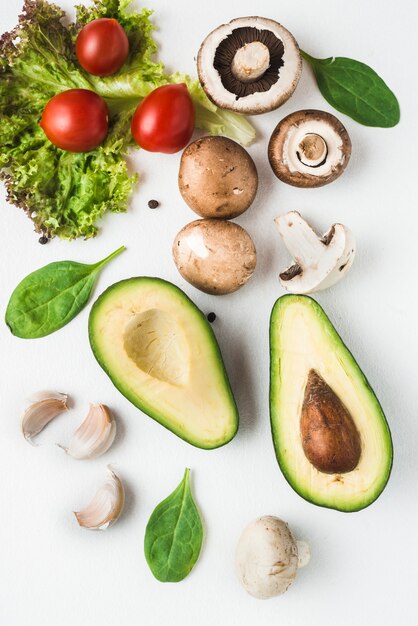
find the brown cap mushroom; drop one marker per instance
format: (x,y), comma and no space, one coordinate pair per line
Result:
(217,178)
(309,148)
(251,65)
(215,256)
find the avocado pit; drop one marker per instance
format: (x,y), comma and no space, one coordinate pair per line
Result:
(330,439)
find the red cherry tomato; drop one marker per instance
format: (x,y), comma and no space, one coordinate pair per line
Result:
(102,47)
(75,120)
(164,121)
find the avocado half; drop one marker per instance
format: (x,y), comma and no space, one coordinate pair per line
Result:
(307,356)
(161,353)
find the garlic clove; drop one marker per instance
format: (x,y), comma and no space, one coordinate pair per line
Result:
(106,506)
(45,405)
(95,434)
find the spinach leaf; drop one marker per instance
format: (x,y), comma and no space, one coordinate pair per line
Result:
(356,90)
(174,535)
(50,297)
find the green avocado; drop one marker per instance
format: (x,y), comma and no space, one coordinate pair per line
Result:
(161,353)
(330,435)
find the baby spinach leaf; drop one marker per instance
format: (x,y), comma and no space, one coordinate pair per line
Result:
(174,535)
(50,297)
(356,90)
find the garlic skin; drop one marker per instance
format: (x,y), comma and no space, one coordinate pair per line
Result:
(106,506)
(95,434)
(45,405)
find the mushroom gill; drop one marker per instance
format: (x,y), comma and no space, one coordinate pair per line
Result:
(236,41)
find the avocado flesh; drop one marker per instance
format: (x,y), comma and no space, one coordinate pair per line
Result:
(161,353)
(302,339)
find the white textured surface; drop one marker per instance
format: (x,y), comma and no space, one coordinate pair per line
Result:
(364,566)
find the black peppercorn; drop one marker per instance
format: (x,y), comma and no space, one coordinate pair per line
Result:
(211,317)
(43,240)
(153,204)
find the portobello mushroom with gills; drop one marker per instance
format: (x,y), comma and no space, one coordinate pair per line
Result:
(250,65)
(309,148)
(217,178)
(215,256)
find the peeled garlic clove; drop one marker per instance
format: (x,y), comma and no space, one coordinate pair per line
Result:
(106,506)
(45,405)
(95,435)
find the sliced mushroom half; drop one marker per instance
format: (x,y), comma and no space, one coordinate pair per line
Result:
(319,262)
(251,65)
(309,148)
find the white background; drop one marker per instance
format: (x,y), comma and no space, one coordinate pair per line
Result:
(364,566)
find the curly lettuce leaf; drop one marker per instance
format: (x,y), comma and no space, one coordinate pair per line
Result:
(66,193)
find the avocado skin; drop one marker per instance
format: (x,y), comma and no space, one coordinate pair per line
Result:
(348,507)
(158,417)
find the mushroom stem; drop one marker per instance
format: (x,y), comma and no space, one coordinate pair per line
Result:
(304,553)
(250,62)
(312,150)
(300,239)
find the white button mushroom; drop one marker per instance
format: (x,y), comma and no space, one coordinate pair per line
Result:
(319,262)
(268,557)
